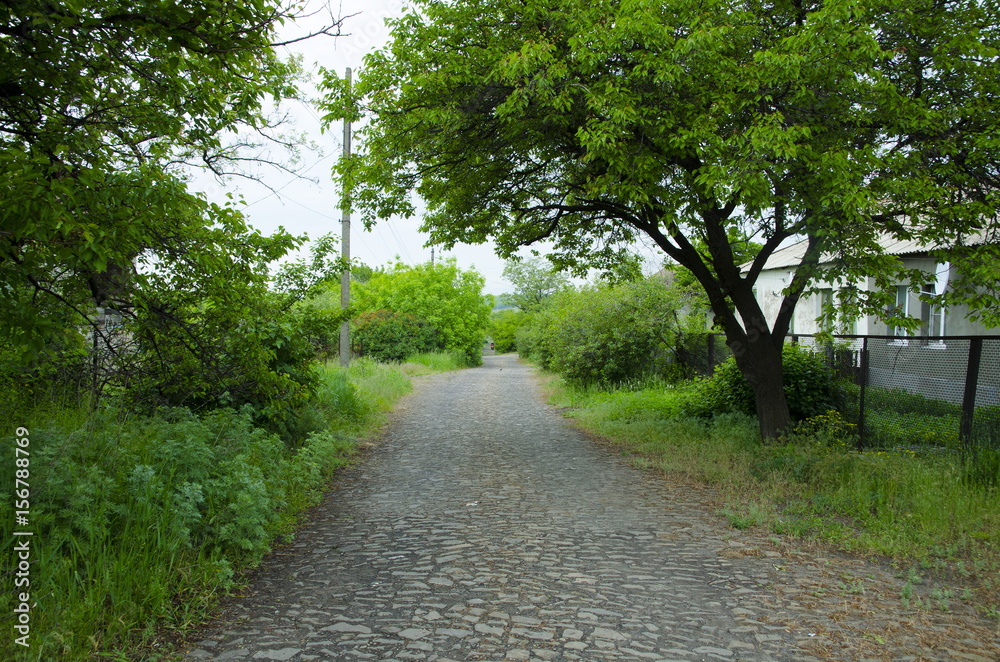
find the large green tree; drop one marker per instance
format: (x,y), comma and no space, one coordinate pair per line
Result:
(102,105)
(534,281)
(591,122)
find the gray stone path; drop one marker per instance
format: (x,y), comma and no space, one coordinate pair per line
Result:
(482,527)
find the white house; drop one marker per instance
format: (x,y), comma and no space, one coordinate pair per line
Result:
(809,315)
(910,360)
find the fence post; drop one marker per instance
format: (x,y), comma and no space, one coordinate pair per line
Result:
(861,399)
(971,388)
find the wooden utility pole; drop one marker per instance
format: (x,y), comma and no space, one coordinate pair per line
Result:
(345,251)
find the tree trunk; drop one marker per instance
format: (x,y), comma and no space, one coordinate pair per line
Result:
(760,362)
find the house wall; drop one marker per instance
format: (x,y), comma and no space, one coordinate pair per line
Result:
(770,285)
(768,291)
(771,282)
(956,322)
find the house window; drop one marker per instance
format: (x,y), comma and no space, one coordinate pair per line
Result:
(902,309)
(931,316)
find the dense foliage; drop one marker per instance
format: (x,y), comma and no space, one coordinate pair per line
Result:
(448,299)
(387,336)
(143,521)
(591,123)
(608,334)
(810,387)
(100,103)
(504,325)
(113,274)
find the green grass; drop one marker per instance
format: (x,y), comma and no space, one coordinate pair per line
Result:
(897,418)
(937,510)
(428,363)
(142,522)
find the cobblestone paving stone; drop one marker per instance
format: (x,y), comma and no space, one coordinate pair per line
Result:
(483,527)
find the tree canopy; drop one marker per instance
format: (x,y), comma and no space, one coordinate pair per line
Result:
(588,123)
(534,281)
(101,103)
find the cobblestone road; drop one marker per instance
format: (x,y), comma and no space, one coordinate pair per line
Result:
(482,527)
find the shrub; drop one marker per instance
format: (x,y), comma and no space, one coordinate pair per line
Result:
(810,387)
(391,337)
(141,520)
(825,431)
(450,299)
(607,334)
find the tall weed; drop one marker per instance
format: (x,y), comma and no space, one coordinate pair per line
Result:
(141,523)
(432,362)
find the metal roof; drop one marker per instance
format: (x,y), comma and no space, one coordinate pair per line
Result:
(791,255)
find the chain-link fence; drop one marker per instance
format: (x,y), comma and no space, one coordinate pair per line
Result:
(904,392)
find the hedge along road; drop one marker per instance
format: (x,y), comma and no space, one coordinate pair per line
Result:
(483,527)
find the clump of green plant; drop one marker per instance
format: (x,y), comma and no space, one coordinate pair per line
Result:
(826,431)
(387,336)
(141,522)
(902,401)
(810,387)
(646,403)
(438,361)
(504,325)
(379,385)
(890,429)
(981,468)
(447,298)
(608,334)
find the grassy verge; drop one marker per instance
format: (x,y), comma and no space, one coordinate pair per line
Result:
(429,363)
(924,512)
(142,522)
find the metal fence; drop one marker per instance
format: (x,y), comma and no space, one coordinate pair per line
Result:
(906,392)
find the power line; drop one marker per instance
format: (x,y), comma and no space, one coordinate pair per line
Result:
(276,191)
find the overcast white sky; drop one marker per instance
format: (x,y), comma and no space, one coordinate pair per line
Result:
(310,208)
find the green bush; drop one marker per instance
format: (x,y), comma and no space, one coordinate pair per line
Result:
(450,299)
(141,521)
(391,337)
(810,387)
(607,334)
(825,432)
